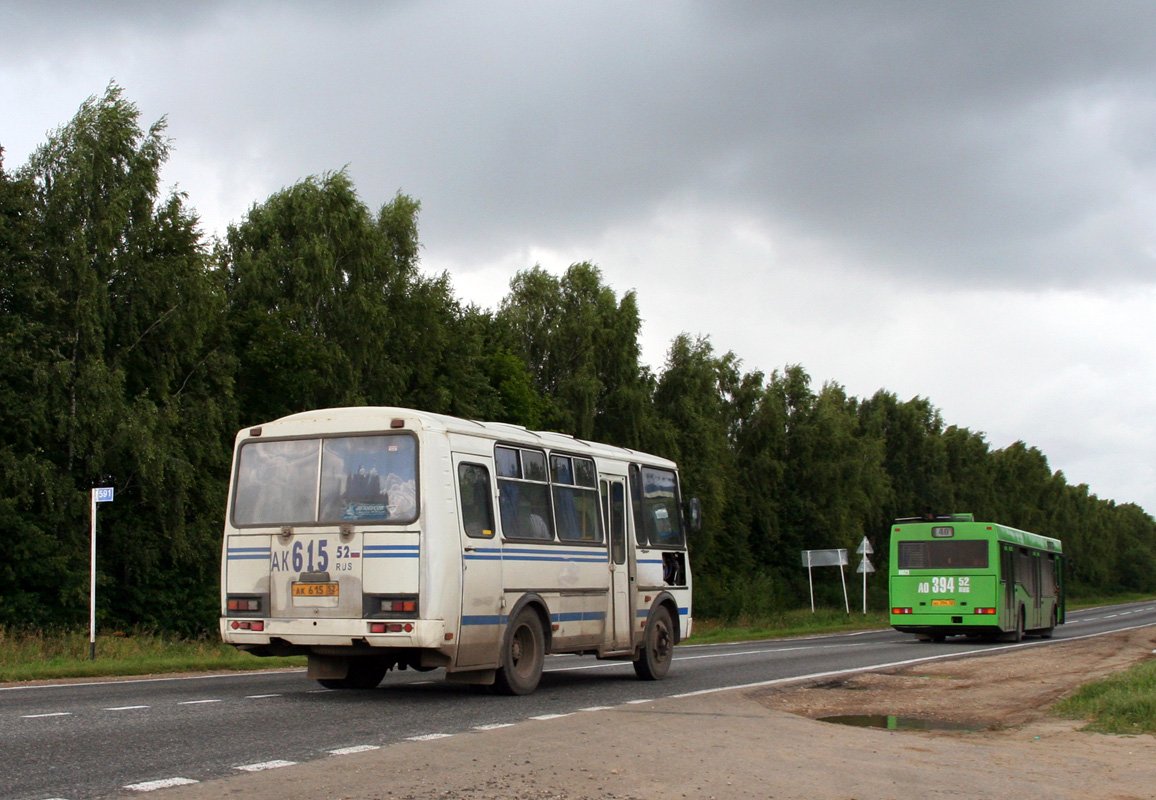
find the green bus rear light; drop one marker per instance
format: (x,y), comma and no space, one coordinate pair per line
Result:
(986,611)
(901,611)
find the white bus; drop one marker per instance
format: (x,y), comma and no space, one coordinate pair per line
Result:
(372,538)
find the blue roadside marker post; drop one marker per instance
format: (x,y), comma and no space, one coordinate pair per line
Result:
(102,495)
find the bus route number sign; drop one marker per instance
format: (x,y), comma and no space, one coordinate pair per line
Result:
(947,585)
(104,494)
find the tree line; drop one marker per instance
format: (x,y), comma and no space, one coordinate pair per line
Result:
(132,348)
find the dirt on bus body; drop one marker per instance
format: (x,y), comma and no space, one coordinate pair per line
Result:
(767,743)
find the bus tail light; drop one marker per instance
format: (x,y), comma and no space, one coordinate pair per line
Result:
(247,625)
(390,606)
(901,611)
(985,611)
(391,627)
(243,604)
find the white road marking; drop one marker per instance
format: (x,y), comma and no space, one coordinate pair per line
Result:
(428,737)
(550,716)
(164,783)
(358,748)
(125,708)
(493,726)
(597,708)
(264,765)
(260,696)
(196,702)
(53,714)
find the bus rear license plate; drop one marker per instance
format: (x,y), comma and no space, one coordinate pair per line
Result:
(942,602)
(315,590)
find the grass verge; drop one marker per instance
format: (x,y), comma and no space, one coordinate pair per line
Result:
(49,655)
(784,625)
(1121,703)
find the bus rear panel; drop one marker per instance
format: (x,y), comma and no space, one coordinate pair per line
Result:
(954,576)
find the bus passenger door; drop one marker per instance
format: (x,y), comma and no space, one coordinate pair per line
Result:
(482,623)
(614,511)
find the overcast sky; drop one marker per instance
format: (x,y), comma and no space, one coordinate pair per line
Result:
(950,200)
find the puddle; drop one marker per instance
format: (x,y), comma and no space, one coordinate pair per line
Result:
(892,722)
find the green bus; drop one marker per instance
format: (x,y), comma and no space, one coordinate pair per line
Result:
(950,575)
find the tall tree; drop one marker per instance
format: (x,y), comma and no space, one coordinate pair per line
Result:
(123,308)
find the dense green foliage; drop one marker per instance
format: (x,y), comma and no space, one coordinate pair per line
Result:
(131,349)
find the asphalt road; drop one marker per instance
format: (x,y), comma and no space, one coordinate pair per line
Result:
(80,741)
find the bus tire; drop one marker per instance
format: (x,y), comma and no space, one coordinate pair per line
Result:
(1018,634)
(523,654)
(364,673)
(653,662)
(1046,633)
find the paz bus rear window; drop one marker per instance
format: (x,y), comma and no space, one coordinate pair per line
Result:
(954,554)
(333,480)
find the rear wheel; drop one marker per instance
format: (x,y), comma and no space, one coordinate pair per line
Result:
(1046,633)
(657,648)
(523,655)
(1018,634)
(364,673)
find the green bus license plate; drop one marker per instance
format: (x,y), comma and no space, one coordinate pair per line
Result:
(942,602)
(315,590)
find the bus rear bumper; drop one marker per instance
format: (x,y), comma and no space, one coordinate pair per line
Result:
(950,629)
(425,634)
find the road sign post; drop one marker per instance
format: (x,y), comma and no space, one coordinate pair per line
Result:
(102,495)
(865,549)
(826,558)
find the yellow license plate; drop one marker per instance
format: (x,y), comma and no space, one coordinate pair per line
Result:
(942,602)
(315,590)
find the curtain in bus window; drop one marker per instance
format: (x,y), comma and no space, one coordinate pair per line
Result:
(369,478)
(477,508)
(576,504)
(577,511)
(660,513)
(947,554)
(525,510)
(618,522)
(276,483)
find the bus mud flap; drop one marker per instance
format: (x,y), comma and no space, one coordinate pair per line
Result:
(327,667)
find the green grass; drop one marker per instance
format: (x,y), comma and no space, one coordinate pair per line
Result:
(1121,703)
(45,655)
(784,625)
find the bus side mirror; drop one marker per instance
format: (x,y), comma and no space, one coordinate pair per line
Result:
(695,515)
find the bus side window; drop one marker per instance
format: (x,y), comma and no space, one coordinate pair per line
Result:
(477,505)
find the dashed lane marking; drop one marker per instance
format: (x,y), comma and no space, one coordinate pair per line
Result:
(264,765)
(428,737)
(52,714)
(164,783)
(357,748)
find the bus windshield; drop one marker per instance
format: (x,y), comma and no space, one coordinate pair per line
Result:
(334,480)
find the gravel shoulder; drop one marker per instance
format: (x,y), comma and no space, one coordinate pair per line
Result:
(766,743)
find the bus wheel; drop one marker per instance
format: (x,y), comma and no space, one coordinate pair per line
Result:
(523,655)
(1046,633)
(1018,634)
(364,673)
(657,647)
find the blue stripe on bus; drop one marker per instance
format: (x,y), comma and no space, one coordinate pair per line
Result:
(578,616)
(485,619)
(502,619)
(247,553)
(390,551)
